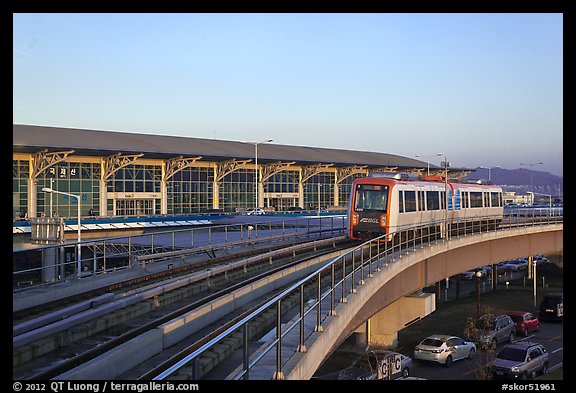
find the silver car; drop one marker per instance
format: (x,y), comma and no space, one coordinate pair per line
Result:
(444,349)
(521,360)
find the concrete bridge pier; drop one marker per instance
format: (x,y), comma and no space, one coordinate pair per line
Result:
(381,330)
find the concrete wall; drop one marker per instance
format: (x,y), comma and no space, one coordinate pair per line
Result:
(382,328)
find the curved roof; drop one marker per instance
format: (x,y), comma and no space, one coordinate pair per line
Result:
(30,139)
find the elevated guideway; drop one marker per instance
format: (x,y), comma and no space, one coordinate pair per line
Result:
(356,287)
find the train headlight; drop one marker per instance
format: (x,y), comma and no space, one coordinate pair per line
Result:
(383,220)
(354,218)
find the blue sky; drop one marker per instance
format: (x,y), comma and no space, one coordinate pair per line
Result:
(485,89)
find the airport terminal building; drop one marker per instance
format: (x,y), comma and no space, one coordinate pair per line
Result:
(125,174)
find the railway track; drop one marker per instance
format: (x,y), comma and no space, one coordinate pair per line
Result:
(94,337)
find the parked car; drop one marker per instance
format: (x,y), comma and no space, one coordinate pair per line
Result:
(471,274)
(525,322)
(255,212)
(541,259)
(444,349)
(378,365)
(521,360)
(490,330)
(504,267)
(552,307)
(468,275)
(516,265)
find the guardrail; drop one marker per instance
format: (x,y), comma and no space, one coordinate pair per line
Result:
(54,263)
(335,281)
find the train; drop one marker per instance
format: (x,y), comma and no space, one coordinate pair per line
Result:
(384,203)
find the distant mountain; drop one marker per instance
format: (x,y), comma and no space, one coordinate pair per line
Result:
(519,180)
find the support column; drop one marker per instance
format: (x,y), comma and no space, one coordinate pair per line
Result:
(103,198)
(382,328)
(164,197)
(215,195)
(336,190)
(49,265)
(300,190)
(260,194)
(32,198)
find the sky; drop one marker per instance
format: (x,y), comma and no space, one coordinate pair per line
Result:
(483,89)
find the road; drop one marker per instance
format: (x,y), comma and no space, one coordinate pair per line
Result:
(550,335)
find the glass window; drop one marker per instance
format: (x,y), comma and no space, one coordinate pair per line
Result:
(495,199)
(189,190)
(409,201)
(475,199)
(432,200)
(371,197)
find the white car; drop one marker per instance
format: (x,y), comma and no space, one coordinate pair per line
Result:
(255,212)
(444,349)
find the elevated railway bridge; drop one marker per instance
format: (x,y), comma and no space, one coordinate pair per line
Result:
(366,284)
(373,288)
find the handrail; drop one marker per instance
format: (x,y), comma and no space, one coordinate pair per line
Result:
(115,253)
(443,229)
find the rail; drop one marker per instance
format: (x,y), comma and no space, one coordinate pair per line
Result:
(51,264)
(341,274)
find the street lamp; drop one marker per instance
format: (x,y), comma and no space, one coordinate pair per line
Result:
(428,162)
(78,261)
(489,169)
(531,165)
(445,164)
(478,275)
(256,172)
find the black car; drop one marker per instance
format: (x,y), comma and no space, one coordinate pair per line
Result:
(552,307)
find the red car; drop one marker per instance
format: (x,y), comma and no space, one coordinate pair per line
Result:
(525,322)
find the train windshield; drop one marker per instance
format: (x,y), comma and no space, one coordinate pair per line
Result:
(371,197)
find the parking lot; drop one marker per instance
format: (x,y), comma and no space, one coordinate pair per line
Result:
(450,318)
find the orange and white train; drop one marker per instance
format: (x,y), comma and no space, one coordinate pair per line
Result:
(382,204)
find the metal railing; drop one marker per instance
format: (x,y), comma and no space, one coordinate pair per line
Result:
(332,284)
(54,263)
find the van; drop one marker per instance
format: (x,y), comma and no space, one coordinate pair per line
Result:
(552,307)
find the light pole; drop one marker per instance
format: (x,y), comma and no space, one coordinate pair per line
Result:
(78,260)
(531,165)
(489,169)
(446,164)
(478,275)
(256,172)
(428,162)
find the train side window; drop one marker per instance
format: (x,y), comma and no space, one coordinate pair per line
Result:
(432,200)
(495,199)
(421,201)
(475,199)
(409,201)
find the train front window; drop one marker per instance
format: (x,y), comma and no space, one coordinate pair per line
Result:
(371,197)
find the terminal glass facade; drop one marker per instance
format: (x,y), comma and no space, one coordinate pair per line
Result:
(136,178)
(319,189)
(345,188)
(190,191)
(20,174)
(281,190)
(238,190)
(78,178)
